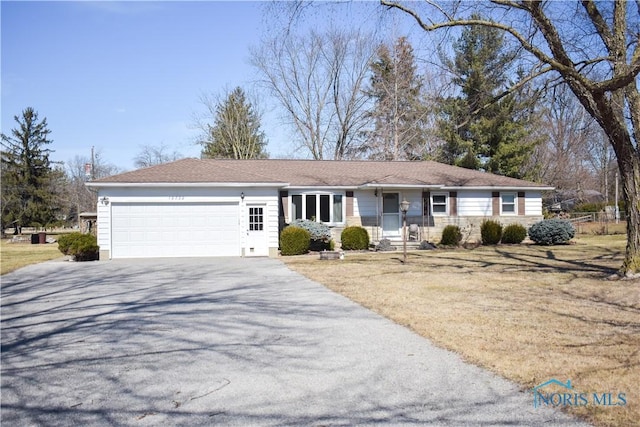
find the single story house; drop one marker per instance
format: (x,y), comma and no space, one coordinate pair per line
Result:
(204,207)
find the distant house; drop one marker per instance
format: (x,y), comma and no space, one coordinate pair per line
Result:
(193,207)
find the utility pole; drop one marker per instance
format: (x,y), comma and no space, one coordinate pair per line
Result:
(93,164)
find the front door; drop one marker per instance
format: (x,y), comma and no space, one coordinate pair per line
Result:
(390,214)
(256,244)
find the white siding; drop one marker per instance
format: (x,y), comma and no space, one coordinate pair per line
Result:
(364,203)
(474,203)
(267,197)
(533,203)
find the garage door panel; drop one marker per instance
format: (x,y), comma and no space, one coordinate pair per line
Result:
(175,230)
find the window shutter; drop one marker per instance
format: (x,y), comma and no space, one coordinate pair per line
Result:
(495,203)
(521,197)
(453,203)
(349,206)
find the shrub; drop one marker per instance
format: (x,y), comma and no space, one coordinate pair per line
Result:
(514,233)
(65,241)
(294,241)
(451,236)
(83,247)
(319,232)
(491,232)
(354,238)
(552,231)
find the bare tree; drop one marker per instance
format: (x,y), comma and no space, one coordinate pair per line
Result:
(151,155)
(79,197)
(318,78)
(596,54)
(566,160)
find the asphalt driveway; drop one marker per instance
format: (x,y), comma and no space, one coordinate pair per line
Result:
(226,342)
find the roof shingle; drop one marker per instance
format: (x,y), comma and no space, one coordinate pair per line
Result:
(313,173)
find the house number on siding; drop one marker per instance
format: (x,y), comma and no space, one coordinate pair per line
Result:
(176,197)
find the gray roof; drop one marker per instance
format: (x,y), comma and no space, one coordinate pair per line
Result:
(313,173)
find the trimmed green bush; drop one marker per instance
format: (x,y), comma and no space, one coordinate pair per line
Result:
(514,233)
(65,241)
(354,238)
(451,236)
(491,232)
(83,247)
(552,232)
(294,241)
(319,232)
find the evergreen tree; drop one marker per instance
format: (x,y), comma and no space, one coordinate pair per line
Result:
(399,111)
(485,127)
(236,132)
(30,185)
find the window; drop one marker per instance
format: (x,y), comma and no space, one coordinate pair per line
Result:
(337,208)
(256,219)
(439,204)
(311,207)
(296,206)
(508,203)
(324,208)
(328,208)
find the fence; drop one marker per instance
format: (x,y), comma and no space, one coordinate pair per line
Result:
(597,222)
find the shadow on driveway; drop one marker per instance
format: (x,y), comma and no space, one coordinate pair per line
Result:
(227,342)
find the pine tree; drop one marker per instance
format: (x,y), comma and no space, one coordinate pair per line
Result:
(30,185)
(236,132)
(483,128)
(399,112)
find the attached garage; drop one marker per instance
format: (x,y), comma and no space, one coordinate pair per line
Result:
(151,230)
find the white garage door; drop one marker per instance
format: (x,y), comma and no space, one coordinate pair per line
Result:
(151,230)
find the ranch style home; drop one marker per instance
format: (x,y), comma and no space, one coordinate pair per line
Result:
(204,207)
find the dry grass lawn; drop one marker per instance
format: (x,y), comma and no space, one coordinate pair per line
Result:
(18,255)
(529,313)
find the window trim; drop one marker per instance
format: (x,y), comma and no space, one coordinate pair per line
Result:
(304,194)
(446,204)
(515,203)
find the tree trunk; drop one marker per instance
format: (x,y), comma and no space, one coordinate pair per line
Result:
(630,175)
(610,115)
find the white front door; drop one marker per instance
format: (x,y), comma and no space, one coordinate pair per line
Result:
(390,214)
(256,231)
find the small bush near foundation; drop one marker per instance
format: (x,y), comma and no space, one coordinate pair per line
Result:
(65,241)
(83,247)
(451,236)
(317,230)
(354,238)
(552,232)
(294,241)
(320,233)
(514,233)
(491,232)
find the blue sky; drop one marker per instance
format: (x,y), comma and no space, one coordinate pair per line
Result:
(120,75)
